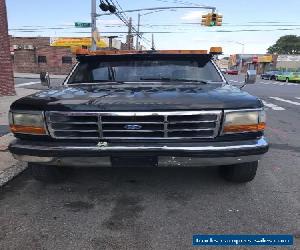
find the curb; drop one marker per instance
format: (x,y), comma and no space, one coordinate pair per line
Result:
(9,167)
(11,172)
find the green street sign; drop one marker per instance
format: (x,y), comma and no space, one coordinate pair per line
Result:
(82,25)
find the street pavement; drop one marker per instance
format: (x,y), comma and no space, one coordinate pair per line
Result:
(148,208)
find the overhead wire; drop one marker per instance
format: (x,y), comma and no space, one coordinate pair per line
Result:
(124,20)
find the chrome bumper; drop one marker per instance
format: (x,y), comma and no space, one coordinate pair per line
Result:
(184,154)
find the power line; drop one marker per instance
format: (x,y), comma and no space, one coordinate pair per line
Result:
(168,32)
(180,2)
(249,24)
(124,20)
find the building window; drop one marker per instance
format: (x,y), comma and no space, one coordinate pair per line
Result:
(66,59)
(42,59)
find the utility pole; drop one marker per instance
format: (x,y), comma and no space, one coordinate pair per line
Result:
(153,46)
(93,24)
(129,36)
(138,32)
(110,41)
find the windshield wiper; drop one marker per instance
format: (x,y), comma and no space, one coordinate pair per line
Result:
(156,79)
(175,80)
(97,81)
(192,80)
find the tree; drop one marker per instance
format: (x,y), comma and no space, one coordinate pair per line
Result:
(289,44)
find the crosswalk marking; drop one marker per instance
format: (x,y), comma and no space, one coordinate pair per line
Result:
(272,106)
(280,83)
(284,100)
(26,84)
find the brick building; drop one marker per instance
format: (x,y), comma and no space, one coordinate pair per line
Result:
(6,72)
(34,54)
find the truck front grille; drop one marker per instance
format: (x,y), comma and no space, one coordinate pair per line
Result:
(133,125)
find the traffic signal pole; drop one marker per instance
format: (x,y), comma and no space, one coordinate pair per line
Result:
(138,32)
(93,24)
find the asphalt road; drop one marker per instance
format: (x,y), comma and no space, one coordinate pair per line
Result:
(147,208)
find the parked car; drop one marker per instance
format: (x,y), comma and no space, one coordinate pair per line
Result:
(223,70)
(140,109)
(288,77)
(232,72)
(270,75)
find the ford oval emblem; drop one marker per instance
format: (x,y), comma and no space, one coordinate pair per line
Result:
(132,127)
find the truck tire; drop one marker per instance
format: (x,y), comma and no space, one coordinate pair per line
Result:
(239,173)
(47,173)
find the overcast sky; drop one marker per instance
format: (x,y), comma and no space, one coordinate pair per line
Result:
(256,23)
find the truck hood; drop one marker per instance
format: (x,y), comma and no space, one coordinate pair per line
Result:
(134,98)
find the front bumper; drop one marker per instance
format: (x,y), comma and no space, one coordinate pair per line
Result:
(186,154)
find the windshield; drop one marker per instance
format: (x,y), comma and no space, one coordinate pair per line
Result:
(145,70)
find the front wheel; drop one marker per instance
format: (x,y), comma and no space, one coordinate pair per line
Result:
(47,173)
(239,173)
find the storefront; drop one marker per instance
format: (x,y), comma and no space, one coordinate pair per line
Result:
(258,62)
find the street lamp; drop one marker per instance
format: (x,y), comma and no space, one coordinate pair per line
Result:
(139,24)
(243,51)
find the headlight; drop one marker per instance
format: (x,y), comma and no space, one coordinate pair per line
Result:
(244,121)
(27,123)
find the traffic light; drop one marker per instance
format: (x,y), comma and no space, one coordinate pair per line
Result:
(213,21)
(219,20)
(107,7)
(206,19)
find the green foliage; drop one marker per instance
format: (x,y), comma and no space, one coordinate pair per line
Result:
(289,44)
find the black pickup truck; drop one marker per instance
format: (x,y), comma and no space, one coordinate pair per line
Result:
(157,108)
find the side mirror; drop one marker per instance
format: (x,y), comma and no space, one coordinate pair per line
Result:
(45,79)
(250,77)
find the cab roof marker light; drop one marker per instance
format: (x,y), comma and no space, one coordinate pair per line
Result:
(216,50)
(134,52)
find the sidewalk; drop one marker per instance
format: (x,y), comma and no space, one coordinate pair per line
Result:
(9,167)
(37,76)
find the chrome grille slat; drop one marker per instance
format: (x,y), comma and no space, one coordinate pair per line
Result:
(95,123)
(154,125)
(204,129)
(132,122)
(192,122)
(77,130)
(132,131)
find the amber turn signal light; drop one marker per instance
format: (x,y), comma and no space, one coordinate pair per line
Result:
(27,130)
(244,128)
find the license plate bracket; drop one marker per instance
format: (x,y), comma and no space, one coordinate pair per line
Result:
(124,161)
